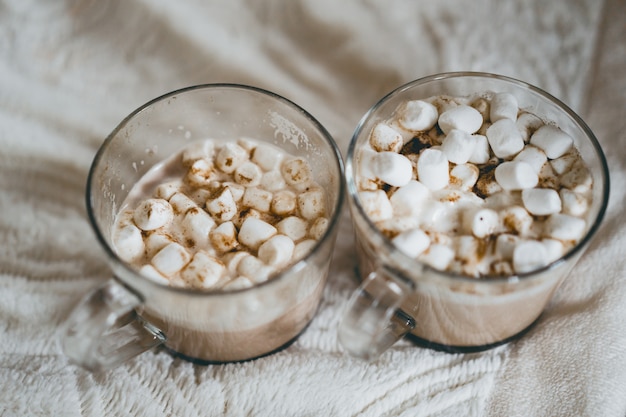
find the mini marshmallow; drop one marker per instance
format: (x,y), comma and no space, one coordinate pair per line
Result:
(464,176)
(254,269)
(578,178)
(563,163)
(541,201)
(204,271)
(564,227)
(283,203)
(153,213)
(196,226)
(236,190)
(554,249)
(171,259)
(458,146)
(248,144)
(197,150)
(417,115)
(501,200)
(529,256)
(365,157)
(258,199)
(517,219)
(468,249)
(396,225)
(409,199)
(296,171)
(463,117)
(412,242)
(129,243)
(501,268)
(318,228)
(232,259)
(376,205)
(148,271)
(222,206)
(181,203)
(248,174)
(504,138)
(482,222)
(244,214)
(293,227)
(392,168)
(168,189)
(155,241)
(303,248)
(199,196)
(438,256)
(238,283)
(312,203)
(277,251)
(503,106)
(230,157)
(386,139)
(267,157)
(505,246)
(432,169)
(516,175)
(200,173)
(533,156)
(527,124)
(224,237)
(273,181)
(480,154)
(552,140)
(254,232)
(573,203)
(548,178)
(486,185)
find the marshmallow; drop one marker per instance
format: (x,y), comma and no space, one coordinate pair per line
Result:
(376,205)
(224,237)
(458,146)
(254,232)
(168,189)
(503,199)
(258,199)
(248,174)
(409,199)
(232,259)
(480,154)
(483,106)
(527,124)
(564,227)
(181,203)
(548,178)
(468,249)
(171,259)
(392,168)
(486,185)
(248,144)
(529,256)
(533,156)
(365,157)
(267,157)
(200,173)
(517,219)
(552,140)
(244,214)
(238,283)
(312,203)
(396,225)
(516,175)
(199,196)
(277,251)
(129,243)
(222,206)
(505,246)
(230,157)
(438,256)
(385,139)
(296,171)
(481,222)
(432,169)
(417,115)
(236,190)
(554,249)
(578,178)
(463,117)
(196,226)
(464,176)
(293,227)
(273,181)
(303,248)
(204,271)
(318,228)
(504,138)
(412,242)
(563,163)
(153,213)
(501,268)
(197,150)
(148,271)
(283,203)
(541,201)
(254,269)
(155,241)
(573,203)
(503,106)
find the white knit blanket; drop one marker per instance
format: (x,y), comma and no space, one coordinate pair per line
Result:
(70,70)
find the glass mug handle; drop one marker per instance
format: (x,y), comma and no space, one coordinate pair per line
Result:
(373,320)
(103,330)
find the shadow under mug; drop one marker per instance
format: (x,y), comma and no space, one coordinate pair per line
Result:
(401,296)
(130,314)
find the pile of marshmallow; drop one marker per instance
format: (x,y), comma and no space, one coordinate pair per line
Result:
(474,185)
(241,212)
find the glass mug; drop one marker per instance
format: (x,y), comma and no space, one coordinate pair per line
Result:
(441,310)
(130,314)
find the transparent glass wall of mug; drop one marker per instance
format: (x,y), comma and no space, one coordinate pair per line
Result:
(218,326)
(447,311)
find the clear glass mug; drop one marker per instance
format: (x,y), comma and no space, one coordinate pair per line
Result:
(130,314)
(400,296)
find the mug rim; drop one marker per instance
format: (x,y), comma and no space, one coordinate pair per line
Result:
(387,245)
(278,276)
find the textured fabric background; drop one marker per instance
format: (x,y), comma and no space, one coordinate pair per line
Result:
(70,70)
